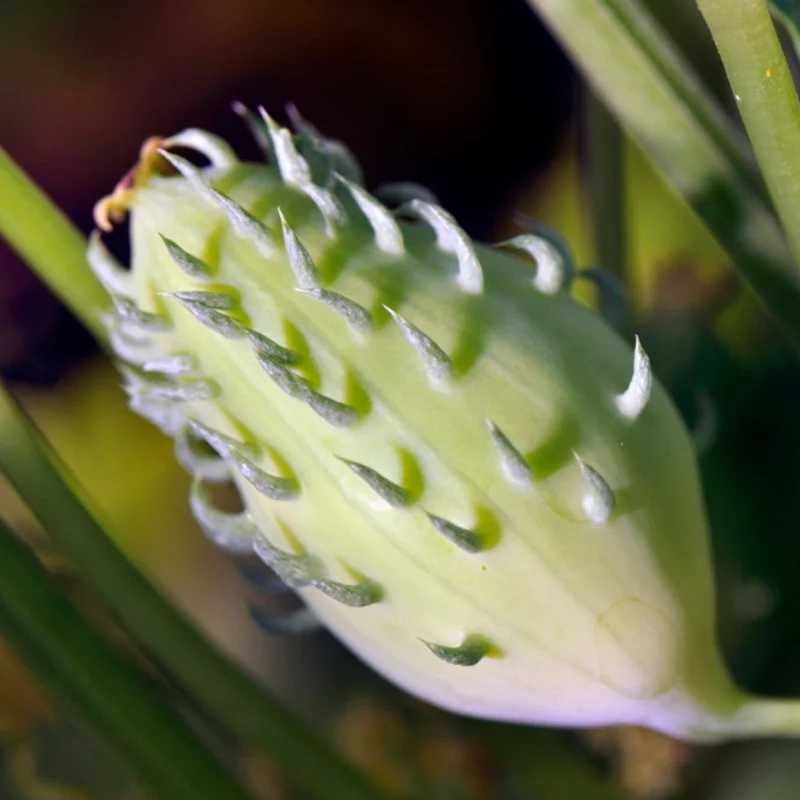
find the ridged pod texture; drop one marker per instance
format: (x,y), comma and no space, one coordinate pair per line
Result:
(442,451)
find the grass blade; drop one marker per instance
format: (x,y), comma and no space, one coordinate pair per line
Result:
(50,243)
(766,98)
(654,94)
(218,686)
(123,709)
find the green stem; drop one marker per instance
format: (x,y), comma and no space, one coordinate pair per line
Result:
(50,243)
(124,710)
(220,687)
(604,168)
(762,84)
(659,101)
(761,717)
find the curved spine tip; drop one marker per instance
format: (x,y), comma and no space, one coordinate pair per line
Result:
(468,540)
(245,224)
(235,533)
(127,310)
(359,319)
(302,265)
(470,652)
(273,351)
(390,492)
(294,569)
(211,317)
(193,266)
(514,464)
(334,412)
(286,380)
(451,238)
(294,169)
(388,236)
(195,177)
(273,487)
(221,442)
(220,301)
(598,500)
(215,149)
(552,274)
(209,468)
(633,400)
(333,213)
(434,358)
(356,595)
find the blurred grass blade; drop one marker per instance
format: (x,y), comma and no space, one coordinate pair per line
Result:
(787,12)
(124,710)
(50,243)
(651,89)
(217,685)
(766,97)
(602,146)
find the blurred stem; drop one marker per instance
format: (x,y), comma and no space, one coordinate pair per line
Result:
(50,243)
(663,106)
(217,685)
(762,84)
(124,710)
(604,170)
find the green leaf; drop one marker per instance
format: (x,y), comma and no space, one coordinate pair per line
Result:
(51,244)
(216,685)
(128,713)
(647,84)
(766,98)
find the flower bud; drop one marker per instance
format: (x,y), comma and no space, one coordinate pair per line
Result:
(469,477)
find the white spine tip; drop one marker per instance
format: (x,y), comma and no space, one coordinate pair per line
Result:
(451,238)
(215,149)
(434,358)
(388,236)
(551,271)
(305,270)
(633,400)
(598,500)
(193,174)
(294,169)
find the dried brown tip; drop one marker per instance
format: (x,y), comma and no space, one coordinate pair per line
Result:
(112,208)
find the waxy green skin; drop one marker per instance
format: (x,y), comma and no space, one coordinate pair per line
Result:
(553,607)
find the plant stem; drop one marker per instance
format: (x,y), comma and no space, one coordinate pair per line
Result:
(124,710)
(765,94)
(603,154)
(50,243)
(219,686)
(659,101)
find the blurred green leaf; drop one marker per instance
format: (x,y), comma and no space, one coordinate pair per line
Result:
(126,711)
(659,101)
(217,685)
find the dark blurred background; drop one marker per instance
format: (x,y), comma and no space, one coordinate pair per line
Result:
(468,97)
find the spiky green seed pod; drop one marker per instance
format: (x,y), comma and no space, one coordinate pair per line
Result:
(468,476)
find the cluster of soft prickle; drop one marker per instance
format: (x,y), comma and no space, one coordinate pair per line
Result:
(468,476)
